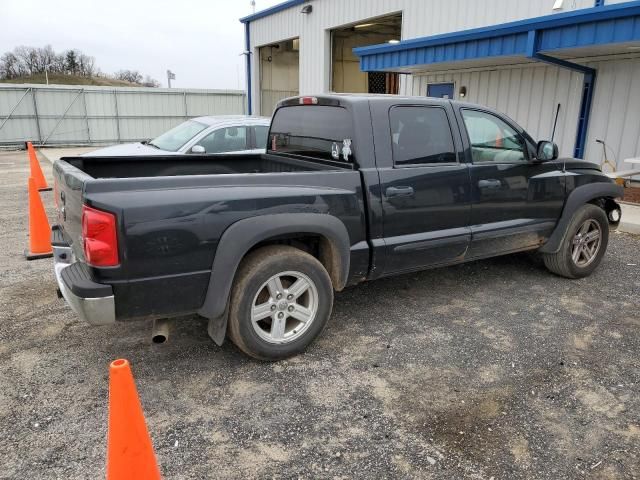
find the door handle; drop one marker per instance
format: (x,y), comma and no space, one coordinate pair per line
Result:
(491,183)
(399,192)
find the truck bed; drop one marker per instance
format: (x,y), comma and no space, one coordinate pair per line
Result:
(172,165)
(172,211)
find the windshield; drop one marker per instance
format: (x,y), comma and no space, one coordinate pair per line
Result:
(175,138)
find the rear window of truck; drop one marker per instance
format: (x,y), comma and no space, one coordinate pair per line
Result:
(316,131)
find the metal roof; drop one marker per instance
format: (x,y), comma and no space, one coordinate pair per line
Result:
(271,10)
(597,26)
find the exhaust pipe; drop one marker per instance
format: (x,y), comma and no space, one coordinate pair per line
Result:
(160,330)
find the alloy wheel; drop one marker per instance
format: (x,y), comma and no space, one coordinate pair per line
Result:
(284,307)
(586,243)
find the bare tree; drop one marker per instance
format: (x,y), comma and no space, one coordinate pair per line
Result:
(26,59)
(58,63)
(9,66)
(150,82)
(86,65)
(45,58)
(132,76)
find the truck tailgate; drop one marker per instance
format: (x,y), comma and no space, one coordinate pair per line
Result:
(68,188)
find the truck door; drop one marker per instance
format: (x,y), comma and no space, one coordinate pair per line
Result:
(424,188)
(515,202)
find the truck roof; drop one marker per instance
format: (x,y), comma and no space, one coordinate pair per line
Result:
(337,99)
(352,98)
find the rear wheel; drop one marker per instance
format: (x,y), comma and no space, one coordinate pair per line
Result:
(280,301)
(584,244)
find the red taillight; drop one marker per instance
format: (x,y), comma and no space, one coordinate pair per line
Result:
(308,101)
(100,238)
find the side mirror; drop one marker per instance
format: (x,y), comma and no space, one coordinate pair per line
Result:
(546,151)
(198,149)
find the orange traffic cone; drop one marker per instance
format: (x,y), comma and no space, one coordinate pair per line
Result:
(36,171)
(39,230)
(129,449)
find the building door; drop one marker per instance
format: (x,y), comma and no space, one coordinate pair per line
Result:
(346,76)
(440,90)
(279,73)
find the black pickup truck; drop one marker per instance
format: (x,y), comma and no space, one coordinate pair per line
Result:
(351,188)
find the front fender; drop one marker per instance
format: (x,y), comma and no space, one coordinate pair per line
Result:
(577,198)
(243,235)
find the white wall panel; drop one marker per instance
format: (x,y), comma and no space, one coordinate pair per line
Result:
(615,114)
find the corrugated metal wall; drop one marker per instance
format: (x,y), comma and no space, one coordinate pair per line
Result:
(84,115)
(420,18)
(528,93)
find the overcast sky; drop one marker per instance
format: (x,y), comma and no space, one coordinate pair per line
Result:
(199,40)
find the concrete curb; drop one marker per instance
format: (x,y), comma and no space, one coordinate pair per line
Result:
(630,222)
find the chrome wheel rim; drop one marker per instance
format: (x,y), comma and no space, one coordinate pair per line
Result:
(284,307)
(586,243)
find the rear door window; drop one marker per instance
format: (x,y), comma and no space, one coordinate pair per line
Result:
(316,131)
(261,133)
(420,135)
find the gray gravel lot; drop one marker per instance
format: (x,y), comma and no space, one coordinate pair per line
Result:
(494,369)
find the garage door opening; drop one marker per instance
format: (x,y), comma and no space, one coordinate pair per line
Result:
(279,73)
(346,76)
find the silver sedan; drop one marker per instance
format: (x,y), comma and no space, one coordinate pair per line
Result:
(212,134)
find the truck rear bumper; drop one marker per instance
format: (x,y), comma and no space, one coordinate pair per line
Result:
(93,302)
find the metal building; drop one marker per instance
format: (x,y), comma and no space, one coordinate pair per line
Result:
(567,68)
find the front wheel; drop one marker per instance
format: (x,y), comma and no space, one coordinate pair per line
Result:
(280,301)
(583,246)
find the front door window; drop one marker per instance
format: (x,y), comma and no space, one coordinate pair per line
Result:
(492,139)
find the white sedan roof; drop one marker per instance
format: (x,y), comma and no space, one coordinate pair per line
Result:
(212,120)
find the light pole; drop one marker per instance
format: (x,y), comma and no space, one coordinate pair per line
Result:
(46,73)
(170,76)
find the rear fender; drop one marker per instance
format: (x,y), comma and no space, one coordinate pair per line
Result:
(242,236)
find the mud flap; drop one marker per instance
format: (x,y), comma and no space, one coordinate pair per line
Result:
(217,328)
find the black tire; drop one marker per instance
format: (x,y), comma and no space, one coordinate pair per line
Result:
(561,263)
(256,269)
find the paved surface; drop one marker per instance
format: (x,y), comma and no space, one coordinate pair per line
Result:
(491,369)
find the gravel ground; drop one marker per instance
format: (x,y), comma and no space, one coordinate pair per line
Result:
(494,369)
